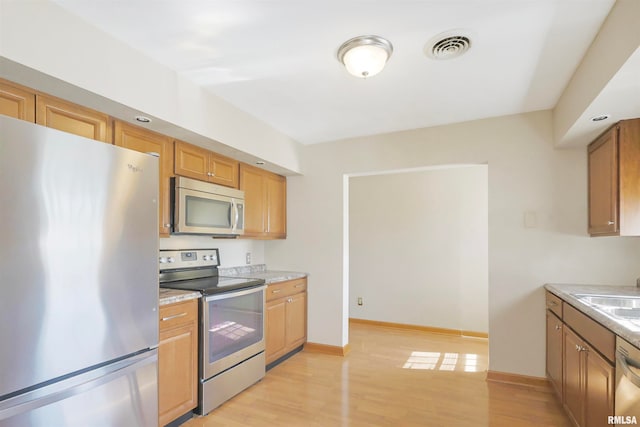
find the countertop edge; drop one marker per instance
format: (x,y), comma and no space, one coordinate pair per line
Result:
(567,293)
(172,296)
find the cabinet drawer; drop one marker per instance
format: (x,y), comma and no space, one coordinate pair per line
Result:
(173,315)
(282,289)
(554,304)
(597,335)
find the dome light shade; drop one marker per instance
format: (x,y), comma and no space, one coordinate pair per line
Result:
(365,56)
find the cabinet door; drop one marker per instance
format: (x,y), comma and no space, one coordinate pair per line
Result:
(600,386)
(603,184)
(572,376)
(296,320)
(177,372)
(17,102)
(191,161)
(629,177)
(224,170)
(144,141)
(276,206)
(554,352)
(253,183)
(275,329)
(67,117)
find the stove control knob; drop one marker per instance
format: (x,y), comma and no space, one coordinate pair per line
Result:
(170,259)
(205,258)
(162,260)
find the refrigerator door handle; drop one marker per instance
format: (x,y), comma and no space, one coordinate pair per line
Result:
(64,389)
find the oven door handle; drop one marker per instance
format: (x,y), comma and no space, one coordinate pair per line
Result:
(624,362)
(237,293)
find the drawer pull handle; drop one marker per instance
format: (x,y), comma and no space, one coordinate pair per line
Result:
(558,327)
(275,291)
(175,316)
(551,303)
(300,285)
(290,300)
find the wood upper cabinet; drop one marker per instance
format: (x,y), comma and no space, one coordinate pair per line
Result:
(145,141)
(177,360)
(17,101)
(67,117)
(286,318)
(198,163)
(265,203)
(614,181)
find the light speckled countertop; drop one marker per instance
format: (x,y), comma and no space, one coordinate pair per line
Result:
(258,271)
(274,276)
(169,296)
(625,329)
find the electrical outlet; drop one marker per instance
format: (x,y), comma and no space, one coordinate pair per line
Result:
(248,258)
(359,300)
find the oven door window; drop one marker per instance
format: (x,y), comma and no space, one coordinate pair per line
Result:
(235,322)
(203,212)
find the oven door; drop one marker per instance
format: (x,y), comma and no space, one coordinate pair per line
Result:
(232,329)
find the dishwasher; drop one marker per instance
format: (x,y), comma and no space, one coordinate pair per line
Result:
(627,382)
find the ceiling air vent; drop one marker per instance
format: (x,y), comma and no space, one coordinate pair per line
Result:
(447,46)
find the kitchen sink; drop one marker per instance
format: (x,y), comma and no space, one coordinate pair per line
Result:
(627,313)
(618,308)
(611,301)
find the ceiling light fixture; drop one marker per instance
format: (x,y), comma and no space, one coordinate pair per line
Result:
(600,118)
(365,56)
(143,119)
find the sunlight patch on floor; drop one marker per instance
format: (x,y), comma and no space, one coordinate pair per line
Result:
(438,361)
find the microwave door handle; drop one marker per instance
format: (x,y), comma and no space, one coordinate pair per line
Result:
(234,209)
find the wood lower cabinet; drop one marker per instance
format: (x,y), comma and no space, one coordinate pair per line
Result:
(67,117)
(614,181)
(177,360)
(580,363)
(589,383)
(17,101)
(286,318)
(144,141)
(265,203)
(198,163)
(554,352)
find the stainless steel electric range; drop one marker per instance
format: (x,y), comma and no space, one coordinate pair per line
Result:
(231,331)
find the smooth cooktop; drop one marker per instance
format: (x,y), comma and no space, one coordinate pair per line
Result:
(214,285)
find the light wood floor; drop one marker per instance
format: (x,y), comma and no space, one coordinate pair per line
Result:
(393,378)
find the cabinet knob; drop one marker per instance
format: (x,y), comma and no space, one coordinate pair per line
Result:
(289,300)
(558,327)
(577,347)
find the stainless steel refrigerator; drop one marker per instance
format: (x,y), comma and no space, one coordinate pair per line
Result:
(78,281)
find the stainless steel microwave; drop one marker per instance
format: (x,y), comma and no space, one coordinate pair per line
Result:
(203,208)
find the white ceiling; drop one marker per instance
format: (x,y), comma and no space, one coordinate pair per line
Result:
(277,59)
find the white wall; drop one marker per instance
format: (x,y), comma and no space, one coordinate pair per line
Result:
(525,174)
(418,248)
(232,251)
(45,47)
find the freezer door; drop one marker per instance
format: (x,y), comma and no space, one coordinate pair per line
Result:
(121,394)
(78,258)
